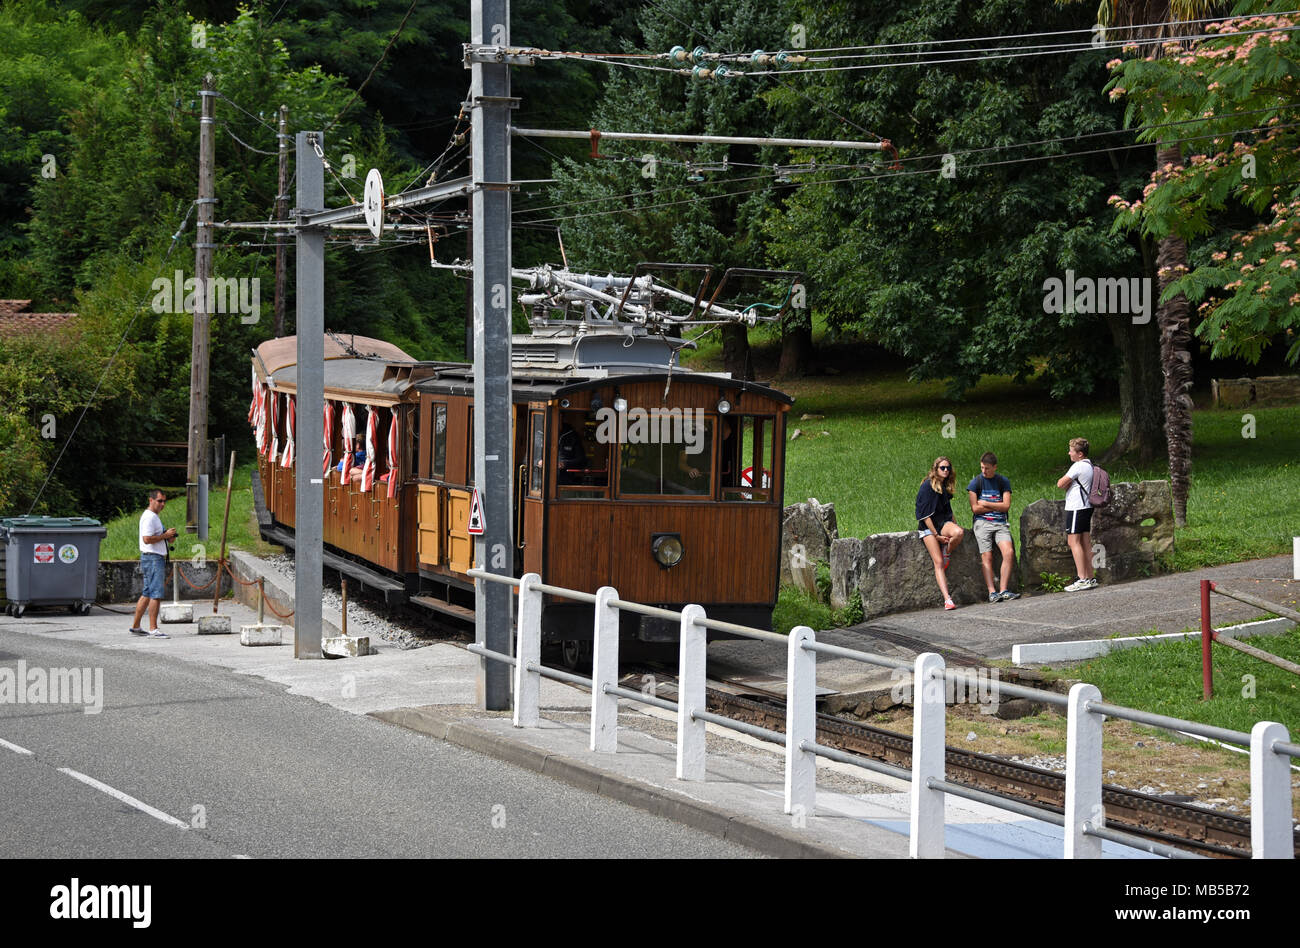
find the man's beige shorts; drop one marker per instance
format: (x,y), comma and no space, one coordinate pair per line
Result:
(987,533)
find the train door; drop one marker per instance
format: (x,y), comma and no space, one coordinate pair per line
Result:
(530,485)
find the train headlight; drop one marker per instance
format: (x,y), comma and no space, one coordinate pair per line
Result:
(724,406)
(620,405)
(667,549)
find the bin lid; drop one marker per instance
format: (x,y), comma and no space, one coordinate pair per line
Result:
(47,524)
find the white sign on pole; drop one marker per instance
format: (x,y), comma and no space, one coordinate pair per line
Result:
(475,527)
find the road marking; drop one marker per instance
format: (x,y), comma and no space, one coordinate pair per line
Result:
(15,748)
(125,798)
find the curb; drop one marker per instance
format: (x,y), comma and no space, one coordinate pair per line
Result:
(691,813)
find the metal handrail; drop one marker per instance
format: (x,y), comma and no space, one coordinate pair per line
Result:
(656,612)
(1161,720)
(488,653)
(641,696)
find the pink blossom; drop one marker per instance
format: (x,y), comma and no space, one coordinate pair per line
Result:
(1113,63)
(1288,264)
(1219,257)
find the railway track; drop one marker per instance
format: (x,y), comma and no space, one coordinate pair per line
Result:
(1177,824)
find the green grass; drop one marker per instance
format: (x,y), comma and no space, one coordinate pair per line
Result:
(122,542)
(884,431)
(1166,679)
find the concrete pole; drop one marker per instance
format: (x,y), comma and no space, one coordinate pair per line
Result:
(308,482)
(196,456)
(281,213)
(493,463)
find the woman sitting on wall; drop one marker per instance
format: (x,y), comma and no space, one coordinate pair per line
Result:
(934,522)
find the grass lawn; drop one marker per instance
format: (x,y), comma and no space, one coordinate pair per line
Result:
(882,432)
(122,542)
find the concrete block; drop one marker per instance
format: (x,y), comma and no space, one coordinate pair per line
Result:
(214,625)
(346,646)
(176,612)
(260,634)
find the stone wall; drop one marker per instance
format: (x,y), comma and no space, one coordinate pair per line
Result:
(893,572)
(1269,389)
(121,581)
(1128,534)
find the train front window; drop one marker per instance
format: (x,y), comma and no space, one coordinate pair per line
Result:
(666,453)
(747,452)
(582,458)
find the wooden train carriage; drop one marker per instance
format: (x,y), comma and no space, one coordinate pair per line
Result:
(368,533)
(664,484)
(675,499)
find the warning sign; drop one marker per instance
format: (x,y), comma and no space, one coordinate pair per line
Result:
(475,527)
(43,553)
(68,553)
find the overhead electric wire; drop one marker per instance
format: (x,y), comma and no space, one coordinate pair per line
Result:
(382,56)
(900,174)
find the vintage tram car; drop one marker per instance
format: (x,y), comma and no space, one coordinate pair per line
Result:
(629,472)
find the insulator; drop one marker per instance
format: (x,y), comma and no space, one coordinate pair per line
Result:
(698,53)
(758,58)
(678,54)
(701,72)
(785,60)
(722,72)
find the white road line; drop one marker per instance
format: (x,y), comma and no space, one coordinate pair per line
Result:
(15,748)
(125,798)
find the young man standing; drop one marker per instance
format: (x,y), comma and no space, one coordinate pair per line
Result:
(990,501)
(153,564)
(1077,483)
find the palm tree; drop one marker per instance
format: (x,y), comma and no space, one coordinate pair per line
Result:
(1153,20)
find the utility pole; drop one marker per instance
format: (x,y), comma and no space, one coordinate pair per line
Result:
(490,103)
(196,460)
(308,482)
(281,213)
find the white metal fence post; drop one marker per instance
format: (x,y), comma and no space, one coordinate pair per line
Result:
(690,695)
(929,747)
(1270,794)
(528,650)
(1083,774)
(800,724)
(604,671)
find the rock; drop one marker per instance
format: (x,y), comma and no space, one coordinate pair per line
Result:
(1123,547)
(970,736)
(825,432)
(883,702)
(1110,773)
(1202,786)
(807,532)
(1138,744)
(811,417)
(1017,708)
(795,434)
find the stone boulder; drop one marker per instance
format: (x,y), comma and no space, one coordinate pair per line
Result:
(893,572)
(1129,534)
(807,531)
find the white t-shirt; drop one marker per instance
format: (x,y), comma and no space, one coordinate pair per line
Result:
(1076,497)
(151,525)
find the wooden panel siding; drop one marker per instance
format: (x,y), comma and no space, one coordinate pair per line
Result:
(730,553)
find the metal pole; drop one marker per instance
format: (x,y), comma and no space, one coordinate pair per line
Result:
(261,600)
(343,582)
(203,247)
(1207,642)
(308,482)
(225,522)
(700,139)
(490,171)
(281,214)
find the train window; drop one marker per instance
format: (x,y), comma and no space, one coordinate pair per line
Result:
(537,463)
(667,454)
(582,461)
(439,470)
(745,468)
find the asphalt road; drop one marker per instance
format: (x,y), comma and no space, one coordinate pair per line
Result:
(234,766)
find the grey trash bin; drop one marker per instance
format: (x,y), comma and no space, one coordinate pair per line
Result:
(51,561)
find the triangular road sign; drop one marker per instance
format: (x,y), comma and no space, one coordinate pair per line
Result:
(475,516)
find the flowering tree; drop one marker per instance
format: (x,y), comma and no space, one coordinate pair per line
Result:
(1233,98)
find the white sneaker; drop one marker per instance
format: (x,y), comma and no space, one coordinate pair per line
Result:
(1077,585)
(1092,583)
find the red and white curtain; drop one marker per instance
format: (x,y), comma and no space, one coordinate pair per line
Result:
(349,439)
(287,459)
(328,460)
(275,432)
(368,470)
(392,456)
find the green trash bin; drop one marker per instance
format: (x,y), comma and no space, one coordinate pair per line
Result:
(51,561)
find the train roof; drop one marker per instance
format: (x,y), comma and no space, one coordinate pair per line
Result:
(365,370)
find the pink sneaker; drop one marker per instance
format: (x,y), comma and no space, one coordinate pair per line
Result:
(949,604)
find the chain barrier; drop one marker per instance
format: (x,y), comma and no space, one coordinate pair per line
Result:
(265,601)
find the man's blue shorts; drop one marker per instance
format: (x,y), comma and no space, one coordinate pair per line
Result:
(154,568)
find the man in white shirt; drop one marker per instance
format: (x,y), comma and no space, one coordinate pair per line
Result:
(153,565)
(1077,483)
